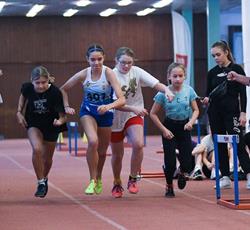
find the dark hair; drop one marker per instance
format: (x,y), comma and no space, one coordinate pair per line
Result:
(41,71)
(124,51)
(94,47)
(225,47)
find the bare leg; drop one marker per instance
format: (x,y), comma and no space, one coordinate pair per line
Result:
(135,135)
(116,161)
(36,140)
(104,134)
(90,128)
(198,162)
(48,152)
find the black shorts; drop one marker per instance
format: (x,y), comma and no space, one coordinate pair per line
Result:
(48,135)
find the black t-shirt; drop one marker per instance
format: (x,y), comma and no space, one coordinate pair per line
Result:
(235,90)
(43,108)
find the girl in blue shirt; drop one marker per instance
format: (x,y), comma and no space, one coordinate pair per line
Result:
(180,115)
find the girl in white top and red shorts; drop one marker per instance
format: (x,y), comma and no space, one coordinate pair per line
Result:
(128,120)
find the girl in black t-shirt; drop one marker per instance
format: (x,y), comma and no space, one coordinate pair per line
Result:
(227,108)
(41,112)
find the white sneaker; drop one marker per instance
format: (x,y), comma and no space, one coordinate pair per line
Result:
(213,176)
(248,181)
(225,183)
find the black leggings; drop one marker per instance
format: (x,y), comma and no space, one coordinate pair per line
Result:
(181,141)
(222,122)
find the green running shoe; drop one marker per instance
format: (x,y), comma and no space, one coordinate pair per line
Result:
(98,187)
(90,190)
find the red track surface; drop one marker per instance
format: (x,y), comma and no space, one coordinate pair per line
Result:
(66,207)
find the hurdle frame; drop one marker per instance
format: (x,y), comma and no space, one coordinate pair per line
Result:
(71,125)
(236,203)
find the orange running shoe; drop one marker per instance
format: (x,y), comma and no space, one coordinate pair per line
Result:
(117,191)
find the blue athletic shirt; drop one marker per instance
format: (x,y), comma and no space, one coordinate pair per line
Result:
(180,107)
(97,92)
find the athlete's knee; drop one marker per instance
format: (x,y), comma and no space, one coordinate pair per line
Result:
(93,143)
(138,146)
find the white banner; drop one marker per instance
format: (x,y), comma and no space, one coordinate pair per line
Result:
(182,42)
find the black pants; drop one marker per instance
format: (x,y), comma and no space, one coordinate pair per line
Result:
(225,122)
(181,141)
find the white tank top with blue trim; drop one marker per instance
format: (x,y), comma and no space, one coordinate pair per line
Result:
(97,92)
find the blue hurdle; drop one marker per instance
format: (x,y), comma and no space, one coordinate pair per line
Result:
(74,126)
(236,203)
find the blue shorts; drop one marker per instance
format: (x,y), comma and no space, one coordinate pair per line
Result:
(104,120)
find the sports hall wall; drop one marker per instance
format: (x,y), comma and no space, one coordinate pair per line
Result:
(60,44)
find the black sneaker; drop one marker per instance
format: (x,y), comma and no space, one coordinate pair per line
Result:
(241,176)
(169,192)
(197,175)
(41,191)
(46,186)
(181,181)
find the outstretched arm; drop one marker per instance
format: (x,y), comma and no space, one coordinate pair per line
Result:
(194,117)
(153,115)
(164,89)
(233,76)
(77,78)
(120,101)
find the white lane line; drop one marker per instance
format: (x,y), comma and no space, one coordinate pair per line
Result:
(88,209)
(193,197)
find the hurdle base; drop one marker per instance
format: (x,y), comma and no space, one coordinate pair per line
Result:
(152,175)
(244,204)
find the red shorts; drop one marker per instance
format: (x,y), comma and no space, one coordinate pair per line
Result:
(119,136)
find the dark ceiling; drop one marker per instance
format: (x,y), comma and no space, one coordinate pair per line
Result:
(58,7)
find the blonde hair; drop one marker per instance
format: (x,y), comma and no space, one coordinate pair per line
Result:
(41,71)
(173,66)
(124,51)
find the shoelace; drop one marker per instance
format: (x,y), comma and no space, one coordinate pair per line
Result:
(118,188)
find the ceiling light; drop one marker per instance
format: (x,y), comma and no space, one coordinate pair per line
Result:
(70,12)
(107,12)
(83,3)
(35,10)
(145,11)
(2,3)
(124,2)
(162,3)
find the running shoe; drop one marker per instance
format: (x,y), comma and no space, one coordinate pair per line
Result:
(90,190)
(225,182)
(41,190)
(46,185)
(117,191)
(132,186)
(181,181)
(169,191)
(197,175)
(98,187)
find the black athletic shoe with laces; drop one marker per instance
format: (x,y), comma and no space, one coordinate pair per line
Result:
(41,190)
